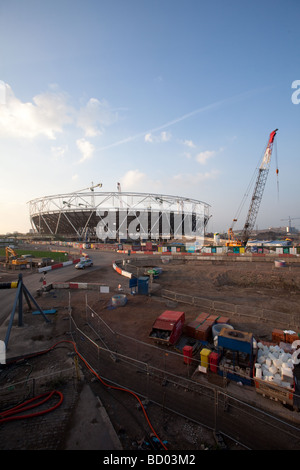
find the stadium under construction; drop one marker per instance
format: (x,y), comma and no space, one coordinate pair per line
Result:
(118,216)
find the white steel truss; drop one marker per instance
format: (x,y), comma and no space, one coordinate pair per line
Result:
(77,213)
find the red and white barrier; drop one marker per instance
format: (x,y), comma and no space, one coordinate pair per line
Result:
(122,271)
(57,266)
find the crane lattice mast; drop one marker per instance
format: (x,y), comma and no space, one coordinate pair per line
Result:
(263,171)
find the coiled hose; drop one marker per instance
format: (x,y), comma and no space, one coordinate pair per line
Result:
(14,413)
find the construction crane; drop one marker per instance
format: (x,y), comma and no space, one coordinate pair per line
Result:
(263,171)
(92,187)
(290,222)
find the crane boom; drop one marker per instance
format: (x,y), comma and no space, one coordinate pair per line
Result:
(263,171)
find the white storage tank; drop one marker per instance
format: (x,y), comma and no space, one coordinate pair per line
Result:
(216,238)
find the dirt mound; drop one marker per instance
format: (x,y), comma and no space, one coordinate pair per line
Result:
(273,281)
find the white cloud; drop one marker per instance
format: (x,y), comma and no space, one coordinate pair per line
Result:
(95,116)
(165,136)
(187,155)
(135,180)
(46,115)
(59,152)
(148,138)
(188,179)
(162,137)
(49,113)
(202,157)
(189,143)
(132,179)
(2,92)
(148,134)
(86,149)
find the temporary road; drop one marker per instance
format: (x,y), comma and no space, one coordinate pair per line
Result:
(32,279)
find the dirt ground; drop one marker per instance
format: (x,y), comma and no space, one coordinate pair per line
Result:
(256,284)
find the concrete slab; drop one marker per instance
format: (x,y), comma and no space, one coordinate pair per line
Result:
(91,427)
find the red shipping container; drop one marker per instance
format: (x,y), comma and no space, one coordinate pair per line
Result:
(212,318)
(202,316)
(223,320)
(209,324)
(278,335)
(187,354)
(190,328)
(214,362)
(291,337)
(203,331)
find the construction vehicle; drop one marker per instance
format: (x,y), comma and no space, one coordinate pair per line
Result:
(263,171)
(12,258)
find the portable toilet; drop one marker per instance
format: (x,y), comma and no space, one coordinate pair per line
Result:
(143,285)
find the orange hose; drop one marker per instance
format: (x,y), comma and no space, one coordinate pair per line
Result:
(13,413)
(113,387)
(98,377)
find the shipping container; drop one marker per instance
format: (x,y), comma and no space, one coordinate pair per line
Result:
(203,331)
(202,316)
(190,328)
(223,320)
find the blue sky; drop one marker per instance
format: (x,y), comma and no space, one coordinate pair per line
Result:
(172,97)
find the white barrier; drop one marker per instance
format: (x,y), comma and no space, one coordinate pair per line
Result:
(57,266)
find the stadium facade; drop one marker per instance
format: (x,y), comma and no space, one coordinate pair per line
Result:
(119,216)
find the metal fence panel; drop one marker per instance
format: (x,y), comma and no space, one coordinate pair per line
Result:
(159,375)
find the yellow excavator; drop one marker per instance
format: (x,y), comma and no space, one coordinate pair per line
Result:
(256,197)
(12,258)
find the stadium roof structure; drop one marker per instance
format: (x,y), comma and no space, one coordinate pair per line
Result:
(77,215)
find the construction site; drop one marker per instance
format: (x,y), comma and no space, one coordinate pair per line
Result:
(100,332)
(174,346)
